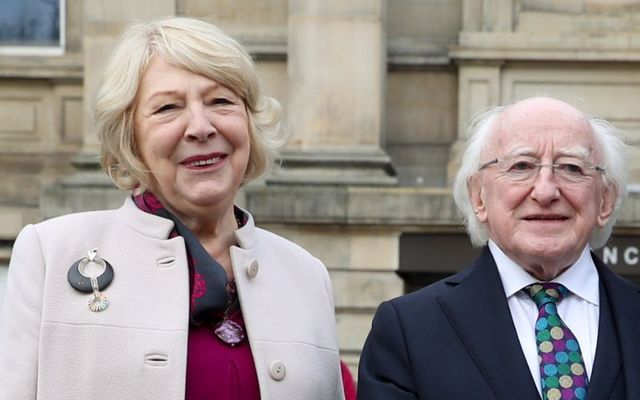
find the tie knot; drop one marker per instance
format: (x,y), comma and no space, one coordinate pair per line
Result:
(547,292)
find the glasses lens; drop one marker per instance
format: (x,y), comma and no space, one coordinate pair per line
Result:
(519,168)
(567,169)
(574,170)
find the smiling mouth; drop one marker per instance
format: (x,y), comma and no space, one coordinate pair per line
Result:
(203,163)
(545,218)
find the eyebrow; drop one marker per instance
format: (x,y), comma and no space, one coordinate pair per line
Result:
(173,92)
(162,93)
(521,151)
(575,151)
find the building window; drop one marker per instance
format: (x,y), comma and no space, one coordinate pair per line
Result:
(32,27)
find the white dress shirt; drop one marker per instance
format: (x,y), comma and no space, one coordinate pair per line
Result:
(580,310)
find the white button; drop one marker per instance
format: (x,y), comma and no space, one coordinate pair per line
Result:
(277,370)
(252,271)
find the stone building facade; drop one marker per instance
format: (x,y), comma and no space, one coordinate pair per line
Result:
(377,95)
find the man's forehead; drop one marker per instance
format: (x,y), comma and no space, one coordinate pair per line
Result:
(528,121)
(535,142)
(577,151)
(535,127)
(543,114)
(542,105)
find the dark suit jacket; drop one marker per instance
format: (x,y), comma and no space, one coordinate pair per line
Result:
(455,339)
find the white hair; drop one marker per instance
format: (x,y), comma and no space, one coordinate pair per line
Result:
(614,159)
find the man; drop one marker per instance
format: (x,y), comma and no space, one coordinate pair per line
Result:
(537,314)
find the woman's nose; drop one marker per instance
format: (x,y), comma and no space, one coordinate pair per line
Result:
(199,125)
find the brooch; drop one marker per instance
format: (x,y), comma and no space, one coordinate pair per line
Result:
(90,274)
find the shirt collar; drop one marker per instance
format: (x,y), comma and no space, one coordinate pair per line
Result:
(581,278)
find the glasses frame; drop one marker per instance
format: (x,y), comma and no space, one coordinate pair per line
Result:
(539,166)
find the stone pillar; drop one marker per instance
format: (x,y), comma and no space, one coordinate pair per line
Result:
(336,100)
(479,79)
(498,15)
(89,187)
(103,24)
(488,15)
(479,90)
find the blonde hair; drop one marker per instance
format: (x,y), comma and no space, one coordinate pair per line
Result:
(196,46)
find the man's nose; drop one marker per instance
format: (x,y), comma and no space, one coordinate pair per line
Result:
(545,185)
(199,125)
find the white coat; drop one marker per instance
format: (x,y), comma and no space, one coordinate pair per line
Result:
(53,347)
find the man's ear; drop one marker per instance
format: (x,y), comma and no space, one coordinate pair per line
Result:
(607,206)
(476,194)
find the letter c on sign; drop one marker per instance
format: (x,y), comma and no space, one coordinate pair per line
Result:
(631,255)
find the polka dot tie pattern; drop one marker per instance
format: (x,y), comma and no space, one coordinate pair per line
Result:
(562,372)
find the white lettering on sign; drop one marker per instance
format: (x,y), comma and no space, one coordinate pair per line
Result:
(631,255)
(610,255)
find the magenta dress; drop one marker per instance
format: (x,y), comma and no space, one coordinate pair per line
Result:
(218,371)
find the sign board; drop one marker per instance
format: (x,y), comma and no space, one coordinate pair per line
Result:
(447,253)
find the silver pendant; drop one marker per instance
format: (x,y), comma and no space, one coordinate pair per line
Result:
(229,332)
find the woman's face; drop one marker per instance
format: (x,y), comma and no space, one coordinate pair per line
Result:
(192,133)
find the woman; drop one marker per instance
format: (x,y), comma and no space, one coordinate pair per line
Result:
(176,294)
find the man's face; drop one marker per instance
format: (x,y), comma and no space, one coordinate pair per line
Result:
(542,222)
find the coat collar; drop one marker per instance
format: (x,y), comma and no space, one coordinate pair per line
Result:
(145,223)
(478,311)
(608,360)
(159,228)
(246,236)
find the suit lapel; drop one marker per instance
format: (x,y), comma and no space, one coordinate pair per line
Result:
(607,361)
(480,315)
(624,300)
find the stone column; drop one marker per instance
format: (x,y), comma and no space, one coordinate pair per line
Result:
(479,90)
(488,15)
(335,99)
(103,22)
(479,79)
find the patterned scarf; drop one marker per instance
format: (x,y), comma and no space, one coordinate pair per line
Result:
(212,296)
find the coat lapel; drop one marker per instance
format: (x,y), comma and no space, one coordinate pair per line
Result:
(624,301)
(478,311)
(607,362)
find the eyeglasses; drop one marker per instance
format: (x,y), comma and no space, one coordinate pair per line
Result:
(566,169)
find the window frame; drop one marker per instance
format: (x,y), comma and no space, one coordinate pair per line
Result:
(53,50)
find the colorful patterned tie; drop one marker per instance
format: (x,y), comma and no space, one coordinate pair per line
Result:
(562,371)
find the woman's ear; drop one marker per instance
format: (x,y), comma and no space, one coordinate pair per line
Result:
(607,206)
(476,194)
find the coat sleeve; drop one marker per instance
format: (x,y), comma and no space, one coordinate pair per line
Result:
(20,319)
(385,371)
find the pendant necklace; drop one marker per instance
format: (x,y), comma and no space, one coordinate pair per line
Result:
(228,331)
